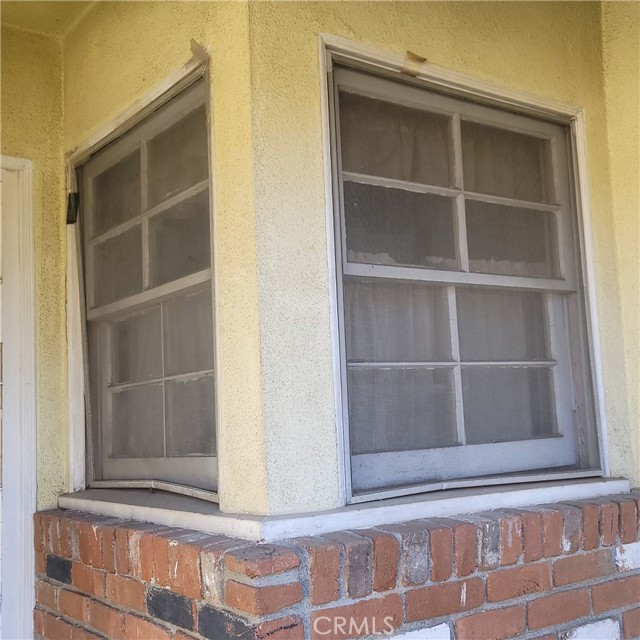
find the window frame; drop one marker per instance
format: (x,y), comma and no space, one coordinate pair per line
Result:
(336,50)
(84,473)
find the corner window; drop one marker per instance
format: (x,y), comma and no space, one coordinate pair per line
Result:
(463,325)
(149,300)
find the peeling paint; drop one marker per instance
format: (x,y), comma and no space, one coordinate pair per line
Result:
(628,556)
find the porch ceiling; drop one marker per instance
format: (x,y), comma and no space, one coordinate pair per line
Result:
(50,18)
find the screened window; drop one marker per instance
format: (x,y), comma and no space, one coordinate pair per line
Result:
(463,333)
(147,253)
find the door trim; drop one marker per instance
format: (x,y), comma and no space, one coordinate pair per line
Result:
(19,407)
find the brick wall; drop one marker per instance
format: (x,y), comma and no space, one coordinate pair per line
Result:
(562,571)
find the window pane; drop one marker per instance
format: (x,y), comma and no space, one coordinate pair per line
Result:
(136,347)
(510,240)
(191,417)
(138,430)
(499,324)
(400,409)
(188,334)
(392,226)
(179,240)
(396,322)
(118,267)
(384,139)
(116,194)
(505,163)
(178,157)
(507,403)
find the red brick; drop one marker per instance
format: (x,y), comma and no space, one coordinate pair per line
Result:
(106,620)
(510,539)
(38,622)
(627,520)
(88,580)
(261,560)
(73,605)
(44,527)
(108,545)
(212,563)
(41,563)
(582,567)
(126,592)
(261,601)
(386,555)
(440,551)
(492,625)
(141,535)
(558,608)
(444,599)
(464,548)
(609,513)
(590,526)
(364,618)
(38,533)
(631,623)
(532,533)
(154,559)
(60,532)
(616,593)
(552,528)
(46,595)
(488,539)
(56,628)
(358,563)
(122,550)
(290,628)
(184,570)
(138,629)
(324,569)
(465,543)
(414,551)
(519,581)
(79,633)
(89,544)
(572,530)
(635,495)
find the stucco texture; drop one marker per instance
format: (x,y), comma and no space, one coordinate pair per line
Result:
(117,53)
(552,50)
(278,438)
(621,58)
(31,127)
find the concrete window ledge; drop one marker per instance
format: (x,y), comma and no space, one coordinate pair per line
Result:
(183,511)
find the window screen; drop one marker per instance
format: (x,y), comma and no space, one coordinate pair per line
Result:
(147,252)
(463,327)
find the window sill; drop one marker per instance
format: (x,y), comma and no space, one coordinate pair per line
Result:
(191,513)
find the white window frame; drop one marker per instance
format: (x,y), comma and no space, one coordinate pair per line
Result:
(336,49)
(81,474)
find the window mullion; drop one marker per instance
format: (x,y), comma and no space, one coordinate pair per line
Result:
(164,382)
(461,220)
(105,369)
(144,191)
(455,356)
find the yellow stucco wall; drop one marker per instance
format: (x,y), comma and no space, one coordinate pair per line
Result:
(550,50)
(119,52)
(278,448)
(31,127)
(621,57)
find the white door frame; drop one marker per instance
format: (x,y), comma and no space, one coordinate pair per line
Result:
(19,407)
